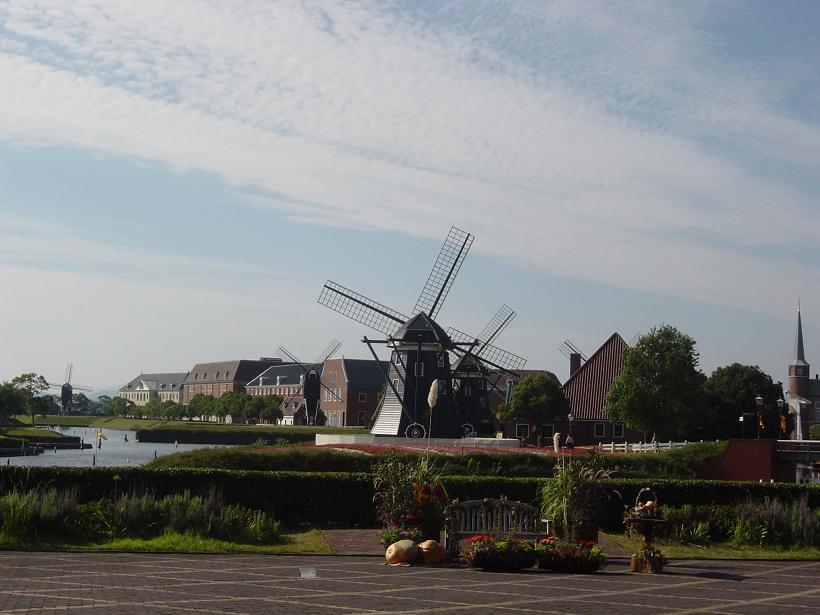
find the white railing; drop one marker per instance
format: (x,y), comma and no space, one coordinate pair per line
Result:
(640,447)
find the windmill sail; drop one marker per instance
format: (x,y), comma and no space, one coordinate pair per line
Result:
(360,308)
(444,272)
(493,355)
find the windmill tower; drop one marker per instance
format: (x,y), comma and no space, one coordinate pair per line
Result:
(67,389)
(472,381)
(420,357)
(311,387)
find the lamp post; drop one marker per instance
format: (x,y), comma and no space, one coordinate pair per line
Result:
(759,404)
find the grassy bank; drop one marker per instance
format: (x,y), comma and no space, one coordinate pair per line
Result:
(724,550)
(190,432)
(291,542)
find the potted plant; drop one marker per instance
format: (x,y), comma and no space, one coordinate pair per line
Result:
(559,555)
(499,554)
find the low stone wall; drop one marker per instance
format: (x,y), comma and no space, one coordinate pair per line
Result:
(325,439)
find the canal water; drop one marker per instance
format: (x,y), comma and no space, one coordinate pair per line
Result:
(115,451)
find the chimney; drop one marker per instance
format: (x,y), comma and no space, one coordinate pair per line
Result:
(574,362)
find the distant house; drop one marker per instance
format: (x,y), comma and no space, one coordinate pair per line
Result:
(216,379)
(586,391)
(351,390)
(285,380)
(149,387)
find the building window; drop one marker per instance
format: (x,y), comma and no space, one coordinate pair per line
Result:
(362,397)
(547,431)
(617,430)
(600,430)
(522,430)
(362,417)
(397,358)
(331,376)
(441,359)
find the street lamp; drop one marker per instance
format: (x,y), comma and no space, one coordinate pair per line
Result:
(759,403)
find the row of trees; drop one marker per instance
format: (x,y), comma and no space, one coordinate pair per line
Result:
(662,391)
(240,406)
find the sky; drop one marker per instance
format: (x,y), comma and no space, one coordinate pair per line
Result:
(178,180)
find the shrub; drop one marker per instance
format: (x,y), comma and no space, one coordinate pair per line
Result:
(30,513)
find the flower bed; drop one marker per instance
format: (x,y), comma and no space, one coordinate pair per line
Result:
(559,555)
(499,554)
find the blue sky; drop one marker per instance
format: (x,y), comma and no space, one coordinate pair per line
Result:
(178,180)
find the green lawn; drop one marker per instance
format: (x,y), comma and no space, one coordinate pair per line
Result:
(297,542)
(719,550)
(33,434)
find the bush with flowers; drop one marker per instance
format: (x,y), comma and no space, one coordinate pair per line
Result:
(499,554)
(559,555)
(409,496)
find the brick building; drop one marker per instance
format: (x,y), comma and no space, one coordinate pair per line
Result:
(216,379)
(351,390)
(286,381)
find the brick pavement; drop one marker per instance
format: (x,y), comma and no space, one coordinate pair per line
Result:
(236,584)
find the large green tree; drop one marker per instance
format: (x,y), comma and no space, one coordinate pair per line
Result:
(536,399)
(660,388)
(121,406)
(31,385)
(12,400)
(732,391)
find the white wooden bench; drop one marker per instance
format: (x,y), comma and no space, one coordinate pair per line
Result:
(492,517)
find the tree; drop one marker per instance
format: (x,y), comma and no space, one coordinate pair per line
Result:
(660,389)
(201,405)
(102,405)
(536,399)
(31,385)
(12,401)
(80,403)
(231,404)
(121,406)
(272,409)
(732,391)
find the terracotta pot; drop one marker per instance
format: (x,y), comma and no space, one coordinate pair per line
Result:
(635,563)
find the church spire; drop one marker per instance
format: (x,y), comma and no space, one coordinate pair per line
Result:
(799,354)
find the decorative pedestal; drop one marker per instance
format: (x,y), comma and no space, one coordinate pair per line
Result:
(649,560)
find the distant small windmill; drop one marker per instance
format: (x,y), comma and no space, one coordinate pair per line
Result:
(308,412)
(67,389)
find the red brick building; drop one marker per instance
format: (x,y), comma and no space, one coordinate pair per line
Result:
(351,390)
(216,379)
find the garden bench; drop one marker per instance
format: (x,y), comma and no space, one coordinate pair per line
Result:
(491,517)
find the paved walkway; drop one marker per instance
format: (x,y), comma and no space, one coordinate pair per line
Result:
(238,584)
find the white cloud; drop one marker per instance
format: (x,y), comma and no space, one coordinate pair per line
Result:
(632,158)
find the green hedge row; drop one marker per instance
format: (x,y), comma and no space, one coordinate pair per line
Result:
(346,499)
(240,435)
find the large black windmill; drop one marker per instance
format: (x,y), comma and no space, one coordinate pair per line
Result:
(472,381)
(67,389)
(308,412)
(419,375)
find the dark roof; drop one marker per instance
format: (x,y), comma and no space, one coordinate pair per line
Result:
(422,328)
(242,370)
(814,387)
(291,373)
(586,389)
(159,382)
(365,373)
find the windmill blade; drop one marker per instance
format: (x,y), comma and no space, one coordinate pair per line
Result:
(493,355)
(317,366)
(284,351)
(503,317)
(329,351)
(75,387)
(444,272)
(68,369)
(568,348)
(360,308)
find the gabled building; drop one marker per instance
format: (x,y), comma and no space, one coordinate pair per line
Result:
(285,380)
(351,389)
(149,387)
(803,395)
(216,379)
(586,390)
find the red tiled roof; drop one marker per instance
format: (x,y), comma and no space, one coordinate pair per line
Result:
(586,389)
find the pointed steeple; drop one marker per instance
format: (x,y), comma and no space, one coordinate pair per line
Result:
(799,354)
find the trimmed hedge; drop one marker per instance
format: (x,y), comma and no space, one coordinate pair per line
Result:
(204,435)
(346,499)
